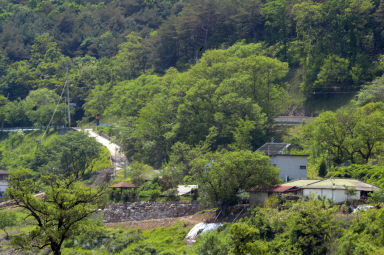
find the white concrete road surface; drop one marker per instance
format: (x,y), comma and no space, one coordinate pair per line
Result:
(118,158)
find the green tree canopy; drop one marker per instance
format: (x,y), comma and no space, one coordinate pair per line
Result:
(223,175)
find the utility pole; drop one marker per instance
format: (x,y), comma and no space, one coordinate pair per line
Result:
(68,103)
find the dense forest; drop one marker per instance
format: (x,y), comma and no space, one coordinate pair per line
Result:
(166,71)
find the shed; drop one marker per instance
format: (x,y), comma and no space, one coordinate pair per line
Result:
(338,190)
(258,194)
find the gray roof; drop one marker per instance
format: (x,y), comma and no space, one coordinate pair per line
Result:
(2,172)
(273,148)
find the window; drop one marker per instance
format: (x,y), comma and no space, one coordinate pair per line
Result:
(303,167)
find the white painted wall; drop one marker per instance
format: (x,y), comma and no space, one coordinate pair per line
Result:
(336,195)
(3,186)
(290,166)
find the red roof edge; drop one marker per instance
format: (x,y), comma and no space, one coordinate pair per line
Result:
(273,188)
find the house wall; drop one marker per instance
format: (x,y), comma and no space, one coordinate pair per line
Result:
(257,198)
(290,166)
(3,186)
(337,196)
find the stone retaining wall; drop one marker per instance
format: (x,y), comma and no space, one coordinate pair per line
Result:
(136,211)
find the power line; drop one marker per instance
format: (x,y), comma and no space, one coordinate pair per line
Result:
(57,106)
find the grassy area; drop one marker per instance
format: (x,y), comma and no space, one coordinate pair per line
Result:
(102,241)
(103,160)
(18,149)
(163,240)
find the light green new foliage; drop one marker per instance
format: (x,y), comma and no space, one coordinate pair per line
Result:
(373,92)
(353,135)
(7,219)
(58,215)
(244,240)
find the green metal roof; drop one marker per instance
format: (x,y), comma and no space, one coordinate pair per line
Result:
(332,183)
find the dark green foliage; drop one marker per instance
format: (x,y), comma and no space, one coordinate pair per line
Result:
(323,168)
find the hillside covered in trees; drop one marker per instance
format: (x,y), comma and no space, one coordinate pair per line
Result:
(167,71)
(191,88)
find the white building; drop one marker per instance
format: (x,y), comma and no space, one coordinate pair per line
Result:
(3,181)
(291,167)
(337,190)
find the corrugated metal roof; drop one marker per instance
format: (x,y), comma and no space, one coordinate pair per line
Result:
(262,188)
(301,182)
(332,183)
(273,188)
(273,148)
(342,184)
(281,188)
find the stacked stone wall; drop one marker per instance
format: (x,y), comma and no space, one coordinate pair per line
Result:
(119,212)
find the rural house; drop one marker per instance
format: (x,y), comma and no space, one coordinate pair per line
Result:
(291,167)
(338,190)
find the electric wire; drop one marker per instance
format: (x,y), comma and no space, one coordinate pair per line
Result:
(57,106)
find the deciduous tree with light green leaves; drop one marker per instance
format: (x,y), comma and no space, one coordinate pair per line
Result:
(348,135)
(7,219)
(223,175)
(57,214)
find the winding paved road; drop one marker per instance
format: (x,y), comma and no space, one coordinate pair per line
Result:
(118,158)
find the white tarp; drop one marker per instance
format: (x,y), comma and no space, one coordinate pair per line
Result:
(201,228)
(185,189)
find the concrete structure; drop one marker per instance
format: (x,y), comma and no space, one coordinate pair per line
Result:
(337,190)
(291,167)
(186,189)
(3,181)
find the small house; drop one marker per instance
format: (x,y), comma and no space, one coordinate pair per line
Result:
(3,181)
(337,190)
(291,167)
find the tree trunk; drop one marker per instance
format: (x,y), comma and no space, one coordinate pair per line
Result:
(56,249)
